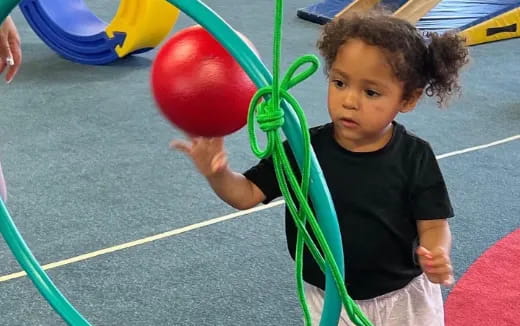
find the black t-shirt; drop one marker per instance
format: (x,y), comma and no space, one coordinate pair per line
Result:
(378,197)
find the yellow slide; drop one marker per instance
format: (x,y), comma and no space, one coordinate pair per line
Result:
(145,22)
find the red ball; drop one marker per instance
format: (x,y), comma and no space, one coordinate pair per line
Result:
(199,86)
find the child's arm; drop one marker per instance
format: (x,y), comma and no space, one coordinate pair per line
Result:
(434,250)
(235,189)
(431,207)
(210,158)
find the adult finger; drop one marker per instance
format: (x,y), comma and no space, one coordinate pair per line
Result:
(4,53)
(16,56)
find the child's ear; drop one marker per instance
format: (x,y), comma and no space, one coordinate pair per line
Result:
(410,103)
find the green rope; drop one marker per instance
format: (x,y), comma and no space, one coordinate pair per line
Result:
(270,118)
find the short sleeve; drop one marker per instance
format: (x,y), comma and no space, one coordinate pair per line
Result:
(264,177)
(429,194)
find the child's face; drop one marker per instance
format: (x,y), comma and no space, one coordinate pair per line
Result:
(364,96)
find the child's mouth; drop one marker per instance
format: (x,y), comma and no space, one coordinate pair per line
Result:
(349,123)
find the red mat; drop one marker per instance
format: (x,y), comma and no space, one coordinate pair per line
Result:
(488,294)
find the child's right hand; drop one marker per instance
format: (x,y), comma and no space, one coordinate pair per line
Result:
(208,154)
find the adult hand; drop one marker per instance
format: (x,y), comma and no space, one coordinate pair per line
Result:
(10,50)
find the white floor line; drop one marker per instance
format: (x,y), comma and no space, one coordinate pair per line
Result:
(476,148)
(147,239)
(210,222)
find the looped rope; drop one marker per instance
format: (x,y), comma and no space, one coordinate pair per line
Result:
(269,113)
(270,117)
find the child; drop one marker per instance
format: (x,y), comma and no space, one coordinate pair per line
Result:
(387,188)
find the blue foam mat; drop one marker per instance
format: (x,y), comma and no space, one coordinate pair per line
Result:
(463,14)
(323,12)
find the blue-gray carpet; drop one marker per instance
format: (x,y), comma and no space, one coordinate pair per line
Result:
(85,155)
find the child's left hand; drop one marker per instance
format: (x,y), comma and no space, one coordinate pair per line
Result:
(436,264)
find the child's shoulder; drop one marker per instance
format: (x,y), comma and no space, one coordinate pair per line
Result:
(411,139)
(317,134)
(319,130)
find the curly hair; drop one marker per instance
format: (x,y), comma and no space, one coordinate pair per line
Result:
(431,62)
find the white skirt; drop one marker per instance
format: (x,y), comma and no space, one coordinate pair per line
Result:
(419,303)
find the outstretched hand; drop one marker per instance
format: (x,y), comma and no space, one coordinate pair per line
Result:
(208,154)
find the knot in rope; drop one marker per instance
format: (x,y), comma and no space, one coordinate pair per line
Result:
(265,105)
(269,117)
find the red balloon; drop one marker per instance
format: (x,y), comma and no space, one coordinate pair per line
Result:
(199,87)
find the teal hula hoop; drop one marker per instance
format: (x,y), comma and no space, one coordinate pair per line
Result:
(319,192)
(6,7)
(261,76)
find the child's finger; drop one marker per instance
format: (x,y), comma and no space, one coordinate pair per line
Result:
(219,161)
(181,145)
(423,252)
(445,269)
(438,252)
(217,141)
(449,281)
(437,261)
(197,141)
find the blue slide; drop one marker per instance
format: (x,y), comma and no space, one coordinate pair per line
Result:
(323,12)
(72,30)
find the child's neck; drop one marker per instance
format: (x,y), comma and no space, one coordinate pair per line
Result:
(366,145)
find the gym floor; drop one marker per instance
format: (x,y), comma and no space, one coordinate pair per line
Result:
(89,172)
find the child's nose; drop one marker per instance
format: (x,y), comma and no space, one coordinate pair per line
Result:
(351,100)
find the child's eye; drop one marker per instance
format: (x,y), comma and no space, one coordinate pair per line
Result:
(338,83)
(372,93)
